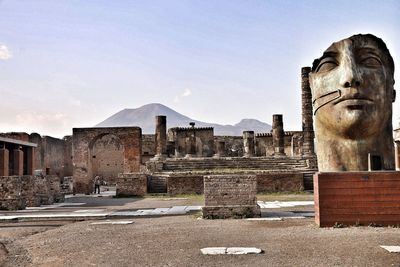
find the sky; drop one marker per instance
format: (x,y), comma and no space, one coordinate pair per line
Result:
(66,64)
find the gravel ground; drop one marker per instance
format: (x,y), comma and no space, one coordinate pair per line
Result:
(176,241)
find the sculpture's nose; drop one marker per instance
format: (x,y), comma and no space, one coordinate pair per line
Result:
(350,77)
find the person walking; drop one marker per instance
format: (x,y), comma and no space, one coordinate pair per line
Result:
(97,183)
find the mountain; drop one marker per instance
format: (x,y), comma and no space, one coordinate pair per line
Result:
(144,117)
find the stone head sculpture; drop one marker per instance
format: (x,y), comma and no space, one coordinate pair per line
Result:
(352,87)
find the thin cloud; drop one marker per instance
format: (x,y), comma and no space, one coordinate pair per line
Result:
(186,93)
(5,53)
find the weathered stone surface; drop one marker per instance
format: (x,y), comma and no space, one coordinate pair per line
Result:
(307,113)
(131,184)
(278,135)
(353,90)
(280,182)
(18,192)
(192,141)
(230,196)
(161,136)
(184,184)
(248,144)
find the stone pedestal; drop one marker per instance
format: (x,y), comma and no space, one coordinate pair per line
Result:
(230,196)
(278,135)
(161,136)
(18,157)
(357,198)
(220,149)
(248,143)
(4,161)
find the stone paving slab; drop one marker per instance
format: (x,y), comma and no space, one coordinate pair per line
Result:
(283,204)
(392,249)
(230,250)
(265,219)
(114,222)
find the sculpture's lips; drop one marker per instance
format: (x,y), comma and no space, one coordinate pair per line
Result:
(355,99)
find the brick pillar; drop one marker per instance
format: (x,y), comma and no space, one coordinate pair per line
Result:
(307,113)
(248,143)
(278,135)
(30,163)
(397,153)
(18,157)
(4,161)
(161,136)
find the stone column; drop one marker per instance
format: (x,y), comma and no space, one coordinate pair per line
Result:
(397,154)
(278,135)
(221,148)
(192,141)
(4,161)
(307,113)
(248,143)
(30,163)
(18,157)
(161,136)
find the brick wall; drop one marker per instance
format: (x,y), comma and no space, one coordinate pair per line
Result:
(131,184)
(280,182)
(230,196)
(83,141)
(185,184)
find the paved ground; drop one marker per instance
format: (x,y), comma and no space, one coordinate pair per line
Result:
(165,240)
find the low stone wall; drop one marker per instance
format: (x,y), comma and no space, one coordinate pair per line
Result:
(131,184)
(10,193)
(230,196)
(185,184)
(279,182)
(18,192)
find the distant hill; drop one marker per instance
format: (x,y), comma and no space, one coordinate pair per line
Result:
(144,117)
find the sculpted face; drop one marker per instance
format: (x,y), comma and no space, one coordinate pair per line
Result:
(352,87)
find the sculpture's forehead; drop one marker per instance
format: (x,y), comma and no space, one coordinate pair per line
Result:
(349,45)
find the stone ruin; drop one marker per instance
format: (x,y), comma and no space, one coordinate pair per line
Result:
(177,160)
(20,186)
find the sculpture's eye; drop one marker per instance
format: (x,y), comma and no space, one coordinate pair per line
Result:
(326,65)
(371,62)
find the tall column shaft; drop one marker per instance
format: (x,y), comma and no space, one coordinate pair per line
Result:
(248,143)
(30,163)
(4,161)
(18,157)
(220,149)
(397,155)
(307,113)
(278,135)
(161,135)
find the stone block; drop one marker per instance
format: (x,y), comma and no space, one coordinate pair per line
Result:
(230,196)
(131,184)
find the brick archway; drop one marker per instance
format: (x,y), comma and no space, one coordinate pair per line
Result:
(83,141)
